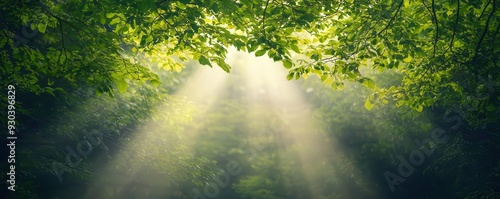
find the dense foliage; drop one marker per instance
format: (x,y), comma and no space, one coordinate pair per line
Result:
(441,47)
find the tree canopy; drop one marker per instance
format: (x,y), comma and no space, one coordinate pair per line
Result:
(445,50)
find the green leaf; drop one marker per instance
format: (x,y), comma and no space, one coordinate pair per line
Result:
(295,48)
(121,85)
(149,39)
(225,67)
(307,18)
(334,85)
(420,108)
(490,108)
(315,57)
(121,29)
(204,61)
(368,104)
(49,90)
(368,83)
(33,80)
(155,82)
(287,63)
(260,52)
(110,15)
(115,21)
(252,45)
(340,85)
(400,103)
(406,3)
(33,26)
(42,27)
(50,82)
(324,77)
(220,62)
(407,59)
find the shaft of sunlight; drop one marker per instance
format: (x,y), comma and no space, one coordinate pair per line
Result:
(267,86)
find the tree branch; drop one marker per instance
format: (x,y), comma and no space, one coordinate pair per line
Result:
(437,25)
(63,47)
(264,18)
(455,27)
(476,52)
(392,18)
(482,12)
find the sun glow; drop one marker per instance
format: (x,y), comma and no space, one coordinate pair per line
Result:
(264,87)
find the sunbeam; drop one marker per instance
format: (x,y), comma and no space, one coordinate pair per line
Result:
(153,147)
(268,86)
(204,86)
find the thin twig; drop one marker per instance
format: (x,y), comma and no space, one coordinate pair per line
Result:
(484,9)
(485,29)
(455,27)
(392,18)
(264,18)
(437,26)
(63,47)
